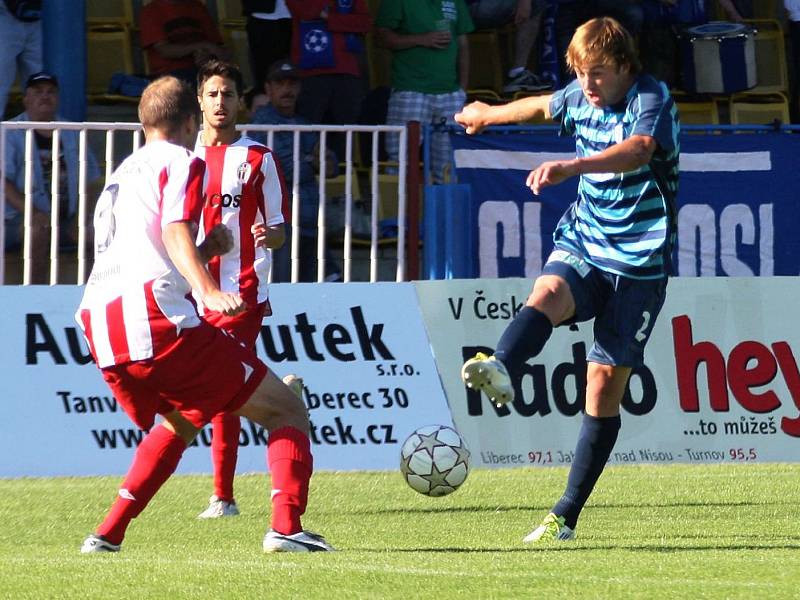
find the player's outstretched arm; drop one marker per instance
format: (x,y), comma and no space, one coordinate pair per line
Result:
(476,116)
(179,242)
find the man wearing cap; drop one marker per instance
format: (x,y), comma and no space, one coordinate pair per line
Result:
(282,87)
(41,104)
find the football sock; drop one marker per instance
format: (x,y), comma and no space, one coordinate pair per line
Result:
(156,459)
(224,451)
(595,442)
(290,465)
(524,338)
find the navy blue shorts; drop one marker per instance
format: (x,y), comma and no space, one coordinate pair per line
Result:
(624,309)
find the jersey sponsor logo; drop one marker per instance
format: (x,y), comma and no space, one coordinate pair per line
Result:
(224,200)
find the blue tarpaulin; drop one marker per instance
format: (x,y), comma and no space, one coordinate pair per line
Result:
(738,203)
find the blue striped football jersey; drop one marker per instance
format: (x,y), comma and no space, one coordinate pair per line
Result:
(623,223)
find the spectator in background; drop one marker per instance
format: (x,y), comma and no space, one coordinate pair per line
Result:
(179,35)
(21,32)
(327,44)
(283,87)
(269,35)
(526,15)
(253,99)
(41,104)
(430,67)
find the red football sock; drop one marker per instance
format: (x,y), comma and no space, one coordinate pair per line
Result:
(155,460)
(224,452)
(290,465)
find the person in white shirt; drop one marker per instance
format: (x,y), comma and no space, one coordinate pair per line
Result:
(155,352)
(269,35)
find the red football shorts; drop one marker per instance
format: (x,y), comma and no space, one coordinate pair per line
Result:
(204,373)
(245,326)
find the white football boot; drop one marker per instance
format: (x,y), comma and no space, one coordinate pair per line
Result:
(219,508)
(302,541)
(489,375)
(96,544)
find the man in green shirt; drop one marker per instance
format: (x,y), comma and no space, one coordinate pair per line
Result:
(430,65)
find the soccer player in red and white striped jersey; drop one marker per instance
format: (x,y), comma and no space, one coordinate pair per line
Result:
(244,191)
(155,352)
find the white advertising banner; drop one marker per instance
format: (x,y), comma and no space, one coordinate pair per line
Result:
(361,349)
(720,381)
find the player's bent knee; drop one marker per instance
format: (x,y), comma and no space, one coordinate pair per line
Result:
(273,405)
(551,295)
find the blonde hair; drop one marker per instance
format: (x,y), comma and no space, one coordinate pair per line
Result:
(166,104)
(603,40)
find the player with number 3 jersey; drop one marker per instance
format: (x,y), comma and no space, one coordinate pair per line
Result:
(155,352)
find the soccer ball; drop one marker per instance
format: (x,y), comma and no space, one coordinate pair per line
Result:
(434,460)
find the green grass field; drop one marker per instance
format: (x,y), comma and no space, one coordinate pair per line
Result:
(649,532)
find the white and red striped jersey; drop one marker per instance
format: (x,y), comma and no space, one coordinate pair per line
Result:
(136,302)
(243,186)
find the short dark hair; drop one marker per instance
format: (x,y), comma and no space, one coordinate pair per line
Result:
(222,68)
(166,103)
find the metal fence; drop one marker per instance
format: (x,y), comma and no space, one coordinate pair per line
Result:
(373,249)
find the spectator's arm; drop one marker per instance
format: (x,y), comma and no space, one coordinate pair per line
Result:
(331,162)
(14,197)
(401,41)
(730,9)
(463,61)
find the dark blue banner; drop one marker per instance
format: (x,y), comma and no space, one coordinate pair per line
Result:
(738,202)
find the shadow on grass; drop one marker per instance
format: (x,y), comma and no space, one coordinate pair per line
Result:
(500,509)
(589,547)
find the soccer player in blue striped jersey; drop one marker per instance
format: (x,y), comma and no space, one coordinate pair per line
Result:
(612,247)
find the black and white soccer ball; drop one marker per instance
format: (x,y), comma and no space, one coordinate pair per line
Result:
(434,460)
(316,41)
